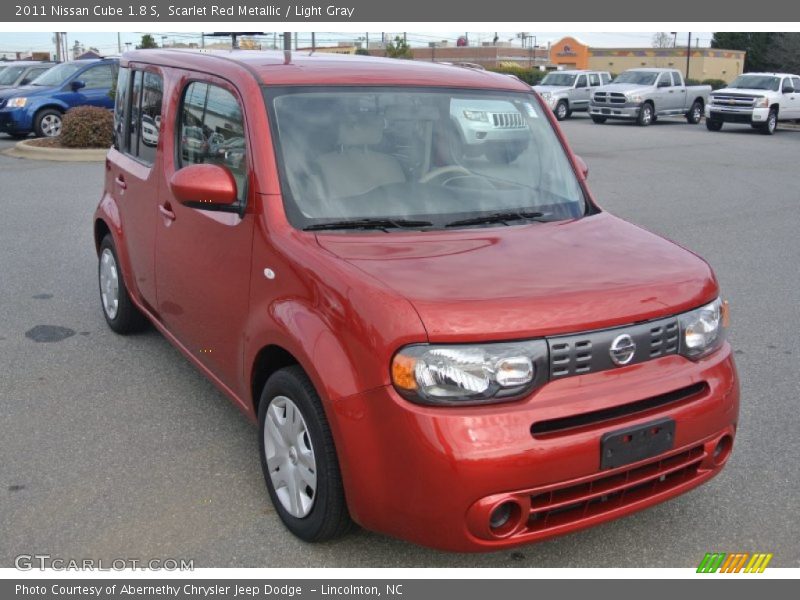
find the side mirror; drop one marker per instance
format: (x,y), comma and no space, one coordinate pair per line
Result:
(584,169)
(203,186)
(25,81)
(77,84)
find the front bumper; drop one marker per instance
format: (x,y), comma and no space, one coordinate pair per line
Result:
(434,475)
(14,120)
(614,111)
(725,114)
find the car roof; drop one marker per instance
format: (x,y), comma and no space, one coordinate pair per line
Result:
(773,74)
(308,68)
(22,63)
(577,71)
(652,69)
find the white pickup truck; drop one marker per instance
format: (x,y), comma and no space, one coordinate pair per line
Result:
(757,99)
(644,95)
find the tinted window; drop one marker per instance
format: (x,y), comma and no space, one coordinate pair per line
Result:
(581,81)
(10,74)
(133,114)
(605,78)
(150,116)
(120,109)
(212,131)
(796,83)
(665,80)
(101,76)
(594,80)
(33,74)
(787,85)
(58,74)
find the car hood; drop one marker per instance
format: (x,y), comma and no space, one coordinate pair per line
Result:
(530,280)
(623,87)
(553,89)
(743,91)
(26,90)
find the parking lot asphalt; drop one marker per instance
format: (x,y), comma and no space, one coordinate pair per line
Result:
(115,447)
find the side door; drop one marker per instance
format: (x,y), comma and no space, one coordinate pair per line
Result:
(579,98)
(664,95)
(681,96)
(790,99)
(203,256)
(97,81)
(135,168)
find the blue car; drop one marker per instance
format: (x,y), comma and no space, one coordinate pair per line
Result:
(39,107)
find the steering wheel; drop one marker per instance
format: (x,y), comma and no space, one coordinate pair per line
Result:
(454,169)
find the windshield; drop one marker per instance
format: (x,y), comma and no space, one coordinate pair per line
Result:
(422,155)
(637,77)
(57,75)
(560,79)
(9,75)
(756,82)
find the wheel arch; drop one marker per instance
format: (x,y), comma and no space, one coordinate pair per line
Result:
(268,360)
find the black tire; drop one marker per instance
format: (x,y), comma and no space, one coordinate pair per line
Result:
(41,121)
(695,113)
(771,125)
(646,114)
(598,120)
(127,318)
(328,517)
(503,153)
(562,110)
(713,124)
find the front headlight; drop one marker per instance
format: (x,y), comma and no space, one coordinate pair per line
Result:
(545,96)
(17,102)
(761,102)
(634,99)
(703,330)
(476,115)
(474,374)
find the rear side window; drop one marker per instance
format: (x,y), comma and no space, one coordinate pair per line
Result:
(796,83)
(211,130)
(676,78)
(137,114)
(605,78)
(101,76)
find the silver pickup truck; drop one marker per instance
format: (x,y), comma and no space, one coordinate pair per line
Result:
(644,95)
(568,91)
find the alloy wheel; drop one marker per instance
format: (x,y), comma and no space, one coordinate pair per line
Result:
(109,283)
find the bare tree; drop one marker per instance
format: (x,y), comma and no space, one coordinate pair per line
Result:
(662,40)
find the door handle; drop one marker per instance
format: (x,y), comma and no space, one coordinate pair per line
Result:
(121,182)
(166,212)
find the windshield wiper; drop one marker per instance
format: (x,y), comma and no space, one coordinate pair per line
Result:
(368,224)
(499,217)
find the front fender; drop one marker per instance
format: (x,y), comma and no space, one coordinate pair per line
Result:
(107,215)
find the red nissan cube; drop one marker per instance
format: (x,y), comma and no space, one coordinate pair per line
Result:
(397,270)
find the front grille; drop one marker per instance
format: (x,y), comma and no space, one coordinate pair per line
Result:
(609,98)
(555,507)
(590,352)
(566,425)
(737,100)
(508,120)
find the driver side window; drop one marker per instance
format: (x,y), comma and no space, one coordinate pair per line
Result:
(101,76)
(581,82)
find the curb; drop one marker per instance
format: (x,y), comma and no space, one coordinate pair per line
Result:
(25,149)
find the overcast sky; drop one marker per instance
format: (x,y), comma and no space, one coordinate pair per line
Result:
(107,42)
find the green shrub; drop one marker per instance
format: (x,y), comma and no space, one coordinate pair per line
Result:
(692,82)
(529,76)
(87,127)
(715,83)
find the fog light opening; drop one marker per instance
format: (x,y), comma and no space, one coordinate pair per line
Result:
(504,518)
(722,450)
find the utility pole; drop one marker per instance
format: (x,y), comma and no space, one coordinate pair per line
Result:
(119,43)
(313,41)
(688,53)
(202,40)
(58,45)
(287,40)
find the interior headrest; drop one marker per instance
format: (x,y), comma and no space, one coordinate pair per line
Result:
(364,131)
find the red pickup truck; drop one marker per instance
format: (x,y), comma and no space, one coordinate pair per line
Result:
(459,349)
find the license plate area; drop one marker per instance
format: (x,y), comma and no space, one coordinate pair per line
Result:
(632,444)
(605,111)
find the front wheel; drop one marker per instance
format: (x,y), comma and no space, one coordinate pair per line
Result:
(771,125)
(562,110)
(598,120)
(695,113)
(713,125)
(299,460)
(47,123)
(645,115)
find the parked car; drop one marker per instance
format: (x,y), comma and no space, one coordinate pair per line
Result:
(39,107)
(494,128)
(643,95)
(17,73)
(150,130)
(757,99)
(466,354)
(568,91)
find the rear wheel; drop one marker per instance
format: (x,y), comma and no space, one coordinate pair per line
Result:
(47,123)
(645,115)
(562,110)
(299,460)
(695,113)
(120,313)
(598,120)
(771,125)
(713,124)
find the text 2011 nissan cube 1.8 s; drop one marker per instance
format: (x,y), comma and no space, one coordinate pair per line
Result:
(459,348)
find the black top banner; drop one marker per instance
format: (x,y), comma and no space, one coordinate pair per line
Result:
(466,11)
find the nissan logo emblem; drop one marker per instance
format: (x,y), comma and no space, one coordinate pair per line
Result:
(622,349)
